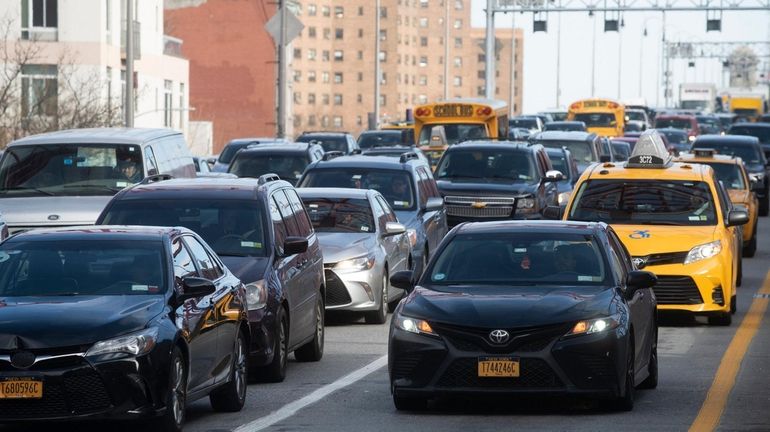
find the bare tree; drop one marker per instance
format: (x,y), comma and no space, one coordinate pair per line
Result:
(70,99)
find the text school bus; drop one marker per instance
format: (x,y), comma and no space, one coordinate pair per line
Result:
(603,117)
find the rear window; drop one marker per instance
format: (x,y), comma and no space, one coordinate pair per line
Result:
(328,143)
(762,134)
(673,123)
(381,139)
(395,185)
(230,150)
(749,153)
(340,215)
(288,166)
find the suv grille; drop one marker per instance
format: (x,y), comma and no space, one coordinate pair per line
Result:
(488,206)
(677,290)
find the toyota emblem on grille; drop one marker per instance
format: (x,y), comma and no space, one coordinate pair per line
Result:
(22,359)
(640,262)
(499,336)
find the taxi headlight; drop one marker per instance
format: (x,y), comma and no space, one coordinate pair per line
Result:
(135,344)
(413,325)
(703,251)
(256,295)
(596,325)
(360,263)
(564,197)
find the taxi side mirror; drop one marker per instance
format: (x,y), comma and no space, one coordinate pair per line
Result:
(737,217)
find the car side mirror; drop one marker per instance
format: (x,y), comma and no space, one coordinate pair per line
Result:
(434,204)
(294,245)
(737,217)
(553,212)
(211,161)
(639,279)
(605,158)
(393,228)
(195,287)
(403,279)
(553,176)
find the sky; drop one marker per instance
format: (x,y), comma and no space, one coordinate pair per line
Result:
(640,56)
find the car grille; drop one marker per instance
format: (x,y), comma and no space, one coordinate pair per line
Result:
(677,290)
(475,339)
(336,292)
(75,393)
(495,206)
(660,259)
(534,373)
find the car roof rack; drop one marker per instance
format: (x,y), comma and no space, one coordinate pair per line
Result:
(156,178)
(407,156)
(267,178)
(332,154)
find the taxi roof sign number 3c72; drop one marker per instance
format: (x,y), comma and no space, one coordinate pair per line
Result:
(649,152)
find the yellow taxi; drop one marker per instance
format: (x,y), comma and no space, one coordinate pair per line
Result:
(675,220)
(732,173)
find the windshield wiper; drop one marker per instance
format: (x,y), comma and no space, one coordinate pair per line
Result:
(651,222)
(234,254)
(93,186)
(21,188)
(463,176)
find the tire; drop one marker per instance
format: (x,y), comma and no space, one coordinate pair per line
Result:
(750,248)
(176,399)
(626,401)
(734,304)
(764,204)
(410,403)
(393,305)
(314,350)
(276,370)
(724,319)
(380,315)
(651,381)
(232,396)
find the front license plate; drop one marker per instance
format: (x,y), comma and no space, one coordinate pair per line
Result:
(498,367)
(21,388)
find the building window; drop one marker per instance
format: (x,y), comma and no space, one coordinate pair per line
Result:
(327,33)
(325,99)
(325,77)
(383,56)
(338,55)
(458,4)
(458,42)
(360,11)
(383,12)
(383,35)
(360,76)
(360,33)
(311,10)
(311,101)
(422,99)
(325,55)
(311,119)
(482,58)
(423,41)
(297,53)
(39,90)
(339,11)
(458,62)
(359,120)
(424,3)
(338,33)
(326,11)
(458,81)
(167,103)
(297,98)
(337,99)
(310,76)
(458,24)
(383,100)
(297,76)
(297,121)
(423,80)
(337,121)
(482,74)
(424,22)
(325,121)
(338,77)
(359,98)
(423,61)
(311,54)
(39,18)
(182,108)
(311,32)
(383,78)
(360,55)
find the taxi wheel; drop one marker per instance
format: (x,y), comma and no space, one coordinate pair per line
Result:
(750,248)
(733,304)
(724,319)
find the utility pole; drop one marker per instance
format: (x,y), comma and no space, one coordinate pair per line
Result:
(377,72)
(593,56)
(489,74)
(666,72)
(446,49)
(281,120)
(128,106)
(512,103)
(620,58)
(558,62)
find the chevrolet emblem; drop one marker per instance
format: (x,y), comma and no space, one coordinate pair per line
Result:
(479,205)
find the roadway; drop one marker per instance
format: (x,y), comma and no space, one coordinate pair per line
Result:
(348,390)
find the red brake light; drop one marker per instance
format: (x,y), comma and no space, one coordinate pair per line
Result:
(575,106)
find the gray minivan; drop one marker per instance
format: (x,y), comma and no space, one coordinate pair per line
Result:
(66,178)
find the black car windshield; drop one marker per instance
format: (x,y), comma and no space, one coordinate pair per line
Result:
(229,226)
(644,202)
(597,119)
(82,268)
(749,153)
(523,259)
(289,167)
(581,150)
(487,163)
(231,149)
(328,143)
(673,123)
(527,123)
(636,115)
(762,133)
(340,215)
(69,169)
(729,174)
(455,133)
(395,185)
(381,139)
(564,126)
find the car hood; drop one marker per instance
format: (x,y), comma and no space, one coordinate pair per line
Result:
(47,322)
(53,210)
(248,269)
(642,240)
(518,307)
(341,246)
(472,187)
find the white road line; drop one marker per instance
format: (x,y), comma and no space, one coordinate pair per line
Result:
(290,409)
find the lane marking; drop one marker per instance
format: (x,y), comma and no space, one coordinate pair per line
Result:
(711,411)
(290,409)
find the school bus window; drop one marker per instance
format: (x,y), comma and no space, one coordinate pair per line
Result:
(455,133)
(597,119)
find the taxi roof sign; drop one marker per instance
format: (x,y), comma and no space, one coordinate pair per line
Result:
(649,152)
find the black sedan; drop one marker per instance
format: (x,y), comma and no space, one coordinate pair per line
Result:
(525,307)
(119,323)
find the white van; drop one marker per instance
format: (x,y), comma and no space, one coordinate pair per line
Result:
(66,178)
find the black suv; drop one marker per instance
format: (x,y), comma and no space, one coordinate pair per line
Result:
(586,148)
(483,180)
(222,161)
(749,149)
(261,231)
(406,182)
(287,160)
(759,130)
(384,138)
(331,141)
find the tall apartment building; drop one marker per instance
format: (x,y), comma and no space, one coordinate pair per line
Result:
(333,60)
(76,60)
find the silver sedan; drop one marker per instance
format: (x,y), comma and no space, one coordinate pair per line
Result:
(362,243)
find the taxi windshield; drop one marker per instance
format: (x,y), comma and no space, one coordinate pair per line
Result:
(518,259)
(644,202)
(597,119)
(729,174)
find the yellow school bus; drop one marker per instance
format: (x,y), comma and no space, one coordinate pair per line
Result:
(603,117)
(441,124)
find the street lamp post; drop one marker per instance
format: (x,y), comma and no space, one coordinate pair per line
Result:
(593,55)
(377,64)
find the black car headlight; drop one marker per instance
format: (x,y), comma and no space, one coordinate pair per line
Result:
(596,325)
(135,344)
(414,325)
(526,205)
(256,295)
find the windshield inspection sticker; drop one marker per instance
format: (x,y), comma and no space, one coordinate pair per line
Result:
(401,203)
(520,250)
(694,218)
(365,228)
(121,184)
(143,288)
(585,278)
(248,244)
(439,276)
